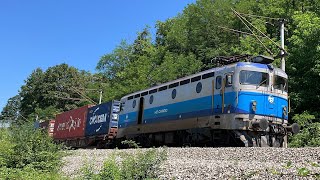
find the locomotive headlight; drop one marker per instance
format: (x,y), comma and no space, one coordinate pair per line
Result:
(285,111)
(254,106)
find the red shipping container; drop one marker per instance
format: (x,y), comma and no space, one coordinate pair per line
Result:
(48,126)
(71,124)
(51,127)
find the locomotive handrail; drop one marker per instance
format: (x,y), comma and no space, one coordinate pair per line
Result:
(223,90)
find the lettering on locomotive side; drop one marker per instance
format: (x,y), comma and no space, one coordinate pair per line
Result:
(161,111)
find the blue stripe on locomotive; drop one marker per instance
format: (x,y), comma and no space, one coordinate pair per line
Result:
(98,119)
(264,106)
(201,107)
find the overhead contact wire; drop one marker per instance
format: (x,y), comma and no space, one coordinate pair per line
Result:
(237,31)
(265,17)
(240,17)
(262,32)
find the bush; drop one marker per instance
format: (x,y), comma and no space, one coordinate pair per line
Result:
(110,169)
(88,172)
(27,173)
(6,147)
(29,153)
(141,165)
(34,148)
(309,134)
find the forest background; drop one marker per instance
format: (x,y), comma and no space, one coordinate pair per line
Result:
(183,45)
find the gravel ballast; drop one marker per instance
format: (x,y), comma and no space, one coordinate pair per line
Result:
(216,163)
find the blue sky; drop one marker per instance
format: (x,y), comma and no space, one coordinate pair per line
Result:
(43,33)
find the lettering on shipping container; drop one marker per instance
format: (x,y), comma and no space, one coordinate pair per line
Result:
(71,124)
(98,118)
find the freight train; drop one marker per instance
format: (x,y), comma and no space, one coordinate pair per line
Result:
(238,104)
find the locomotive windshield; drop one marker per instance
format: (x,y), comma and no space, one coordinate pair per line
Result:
(254,78)
(281,83)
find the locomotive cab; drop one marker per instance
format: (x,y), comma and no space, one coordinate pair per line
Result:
(262,102)
(263,91)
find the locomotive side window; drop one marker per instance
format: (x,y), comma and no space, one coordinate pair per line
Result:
(254,78)
(174,93)
(134,103)
(218,82)
(199,87)
(151,99)
(280,83)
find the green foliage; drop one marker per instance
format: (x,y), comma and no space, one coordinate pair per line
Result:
(303,119)
(47,113)
(31,92)
(57,89)
(303,172)
(6,147)
(288,165)
(308,136)
(304,62)
(140,165)
(130,143)
(12,109)
(137,66)
(315,164)
(275,172)
(28,173)
(33,148)
(110,169)
(28,153)
(310,133)
(88,172)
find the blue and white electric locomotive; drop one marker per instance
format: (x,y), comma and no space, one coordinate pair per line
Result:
(244,103)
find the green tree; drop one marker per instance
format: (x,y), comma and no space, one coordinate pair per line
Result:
(31,92)
(12,109)
(137,66)
(197,30)
(59,88)
(128,68)
(304,62)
